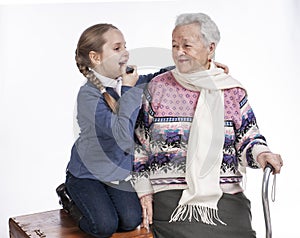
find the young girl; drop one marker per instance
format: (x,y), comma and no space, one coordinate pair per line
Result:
(97,192)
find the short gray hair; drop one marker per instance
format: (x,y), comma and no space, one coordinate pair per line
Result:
(208,28)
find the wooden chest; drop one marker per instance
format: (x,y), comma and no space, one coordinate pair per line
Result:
(57,224)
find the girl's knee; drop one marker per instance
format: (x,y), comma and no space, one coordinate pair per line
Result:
(103,229)
(130,223)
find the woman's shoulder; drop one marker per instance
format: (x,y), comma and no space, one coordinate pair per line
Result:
(163,78)
(236,93)
(161,82)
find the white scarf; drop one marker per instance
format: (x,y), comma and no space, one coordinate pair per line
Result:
(109,82)
(205,145)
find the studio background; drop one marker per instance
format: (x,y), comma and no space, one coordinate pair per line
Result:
(39,82)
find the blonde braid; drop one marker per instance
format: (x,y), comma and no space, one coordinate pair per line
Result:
(89,74)
(92,39)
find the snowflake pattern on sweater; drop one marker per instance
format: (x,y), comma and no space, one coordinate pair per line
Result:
(162,133)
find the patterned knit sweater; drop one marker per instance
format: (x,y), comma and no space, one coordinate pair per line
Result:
(163,130)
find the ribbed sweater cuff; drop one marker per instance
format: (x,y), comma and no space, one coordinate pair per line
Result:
(258,149)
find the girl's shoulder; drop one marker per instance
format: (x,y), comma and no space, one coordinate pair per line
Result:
(88,93)
(89,89)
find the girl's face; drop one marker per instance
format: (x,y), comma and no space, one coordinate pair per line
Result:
(114,54)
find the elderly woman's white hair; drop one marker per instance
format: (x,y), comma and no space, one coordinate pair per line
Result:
(208,27)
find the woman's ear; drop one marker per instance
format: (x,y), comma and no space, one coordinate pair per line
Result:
(211,51)
(95,58)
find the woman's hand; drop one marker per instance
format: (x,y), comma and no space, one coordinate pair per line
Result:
(271,158)
(146,202)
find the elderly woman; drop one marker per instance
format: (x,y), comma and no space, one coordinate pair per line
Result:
(197,134)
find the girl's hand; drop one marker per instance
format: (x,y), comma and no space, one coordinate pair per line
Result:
(129,79)
(222,66)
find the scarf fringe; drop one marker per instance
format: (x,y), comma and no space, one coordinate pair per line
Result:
(206,214)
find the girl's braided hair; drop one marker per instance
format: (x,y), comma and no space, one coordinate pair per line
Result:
(92,40)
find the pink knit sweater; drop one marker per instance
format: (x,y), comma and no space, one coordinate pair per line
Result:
(163,131)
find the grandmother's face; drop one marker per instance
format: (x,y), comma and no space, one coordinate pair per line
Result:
(189,52)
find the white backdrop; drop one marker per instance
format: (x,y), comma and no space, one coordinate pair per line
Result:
(39,83)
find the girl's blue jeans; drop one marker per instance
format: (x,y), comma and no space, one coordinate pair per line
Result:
(106,208)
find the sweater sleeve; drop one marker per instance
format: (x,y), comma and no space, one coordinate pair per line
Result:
(106,142)
(141,174)
(115,132)
(249,141)
(121,125)
(144,79)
